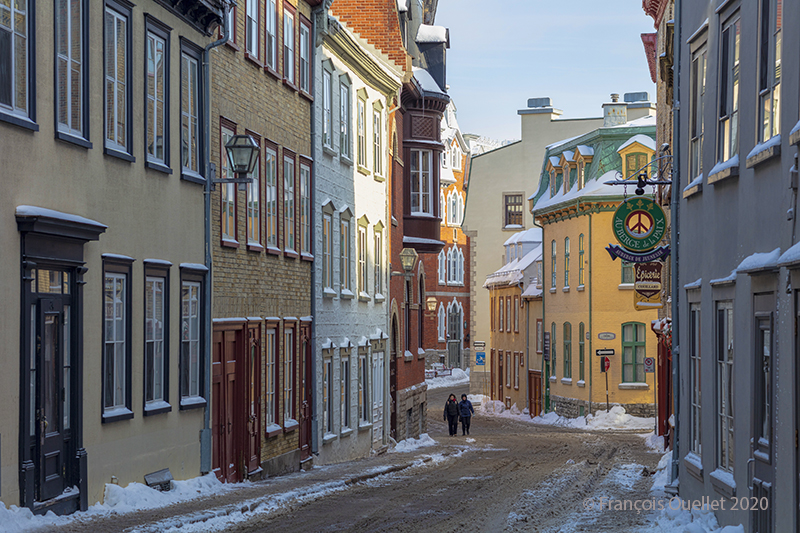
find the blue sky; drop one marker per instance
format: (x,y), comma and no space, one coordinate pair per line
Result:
(577,52)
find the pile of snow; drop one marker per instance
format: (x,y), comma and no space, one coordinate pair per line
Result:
(412,444)
(616,418)
(458,377)
(654,442)
(17,520)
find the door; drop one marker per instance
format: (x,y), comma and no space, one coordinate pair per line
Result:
(229,454)
(761,460)
(393,381)
(51,395)
(454,338)
(306,384)
(254,399)
(535,392)
(500,376)
(377,397)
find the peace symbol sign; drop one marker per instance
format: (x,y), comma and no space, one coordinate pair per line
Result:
(639,223)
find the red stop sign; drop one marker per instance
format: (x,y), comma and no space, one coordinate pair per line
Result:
(606,364)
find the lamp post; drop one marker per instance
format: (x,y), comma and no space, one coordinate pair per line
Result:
(408,258)
(242,156)
(430,302)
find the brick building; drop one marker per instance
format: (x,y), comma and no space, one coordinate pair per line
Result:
(261,241)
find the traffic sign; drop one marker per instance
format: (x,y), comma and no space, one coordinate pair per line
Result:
(479,345)
(649,365)
(480,359)
(546,346)
(604,352)
(605,364)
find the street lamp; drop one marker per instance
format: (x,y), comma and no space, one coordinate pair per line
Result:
(430,301)
(242,157)
(408,258)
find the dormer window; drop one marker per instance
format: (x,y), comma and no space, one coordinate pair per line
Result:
(581,178)
(552,182)
(634,162)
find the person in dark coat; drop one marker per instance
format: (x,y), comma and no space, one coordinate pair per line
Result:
(451,414)
(465,410)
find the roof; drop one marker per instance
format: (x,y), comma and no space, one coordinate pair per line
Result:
(644,140)
(431,34)
(513,272)
(426,82)
(584,150)
(594,188)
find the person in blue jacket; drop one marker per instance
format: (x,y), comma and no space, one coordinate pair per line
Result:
(465,410)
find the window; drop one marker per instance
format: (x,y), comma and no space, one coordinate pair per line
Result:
(344,388)
(513,209)
(442,323)
(455,208)
(508,370)
(288,44)
(728,138)
(633,351)
(516,370)
(566,174)
(271,377)
(157,95)
(695,411)
(363,388)
(539,267)
(327,246)
(377,159)
(566,262)
(421,182)
(344,117)
(500,306)
(344,255)
(553,349)
(156,331)
(698,88)
(508,314)
(118,126)
(117,345)
(491,314)
(305,56)
(288,373)
(552,182)
(71,57)
(581,351)
(456,155)
(190,339)
(516,314)
(305,208)
(567,350)
(553,264)
(227,190)
(378,260)
(271,195)
(327,395)
(627,272)
(581,176)
(442,268)
(190,112)
(251,28)
(288,203)
(581,265)
(725,389)
(16,87)
(362,132)
(635,162)
(271,35)
(254,203)
(327,112)
(769,83)
(362,260)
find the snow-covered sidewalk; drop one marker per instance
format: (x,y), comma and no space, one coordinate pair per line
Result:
(458,377)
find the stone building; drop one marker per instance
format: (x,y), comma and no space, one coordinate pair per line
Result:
(263,256)
(103,265)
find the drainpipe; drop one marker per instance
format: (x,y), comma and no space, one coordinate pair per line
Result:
(590,328)
(205,433)
(675,238)
(528,356)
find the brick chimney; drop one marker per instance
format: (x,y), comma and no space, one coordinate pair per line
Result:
(615,112)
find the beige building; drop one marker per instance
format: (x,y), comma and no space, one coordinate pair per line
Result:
(103,247)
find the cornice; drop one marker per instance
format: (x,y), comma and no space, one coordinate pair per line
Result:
(577,209)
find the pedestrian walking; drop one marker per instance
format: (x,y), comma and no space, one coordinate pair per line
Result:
(451,414)
(465,410)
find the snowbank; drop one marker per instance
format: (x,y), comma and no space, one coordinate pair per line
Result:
(459,377)
(412,444)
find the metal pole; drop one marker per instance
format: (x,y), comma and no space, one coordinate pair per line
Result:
(675,238)
(608,407)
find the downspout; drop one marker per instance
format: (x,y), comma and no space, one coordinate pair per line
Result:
(205,433)
(591,329)
(675,238)
(528,357)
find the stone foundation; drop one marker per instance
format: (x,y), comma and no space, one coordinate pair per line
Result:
(571,408)
(412,419)
(282,464)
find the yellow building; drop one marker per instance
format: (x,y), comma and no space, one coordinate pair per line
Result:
(588,297)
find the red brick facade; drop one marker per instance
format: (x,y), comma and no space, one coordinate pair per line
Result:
(377,21)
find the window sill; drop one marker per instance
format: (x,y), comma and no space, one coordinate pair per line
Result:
(327,292)
(346,294)
(192,177)
(273,430)
(764,152)
(158,167)
(233,45)
(694,465)
(377,177)
(119,155)
(192,402)
(328,438)
(227,243)
(23,122)
(380,297)
(363,170)
(565,289)
(625,286)
(307,96)
(272,72)
(328,150)
(73,139)
(633,386)
(254,247)
(157,408)
(408,357)
(274,251)
(290,84)
(115,415)
(305,256)
(725,173)
(552,379)
(364,425)
(566,381)
(794,136)
(248,56)
(580,383)
(364,297)
(345,159)
(290,424)
(513,227)
(692,190)
(345,432)
(722,484)
(552,290)
(288,252)
(580,288)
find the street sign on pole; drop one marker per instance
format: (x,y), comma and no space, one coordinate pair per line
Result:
(546,346)
(605,364)
(480,359)
(604,352)
(649,365)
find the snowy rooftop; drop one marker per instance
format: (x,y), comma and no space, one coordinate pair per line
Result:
(512,272)
(584,150)
(402,6)
(644,140)
(594,188)
(431,34)
(426,82)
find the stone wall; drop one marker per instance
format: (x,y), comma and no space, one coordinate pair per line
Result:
(570,407)
(414,399)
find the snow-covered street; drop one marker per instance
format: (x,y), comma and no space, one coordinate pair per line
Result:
(508,475)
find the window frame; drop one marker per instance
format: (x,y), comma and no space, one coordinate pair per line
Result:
(512,210)
(289,374)
(634,363)
(252,30)
(271,36)
(442,267)
(729,88)
(361,130)
(272,215)
(345,254)
(120,269)
(377,260)
(517,359)
(377,139)
(327,107)
(582,352)
(254,244)
(567,340)
(271,377)
(289,47)
(441,323)
(156,271)
(770,50)
(327,250)
(697,89)
(629,268)
(362,259)
(364,404)
(516,314)
(500,315)
(8,113)
(304,72)
(581,266)
(553,257)
(67,133)
(724,419)
(566,262)
(345,116)
(159,31)
(553,358)
(192,52)
(695,373)
(344,390)
(327,393)
(122,10)
(194,277)
(289,204)
(227,239)
(417,157)
(305,187)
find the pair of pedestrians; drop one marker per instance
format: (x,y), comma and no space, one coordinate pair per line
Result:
(454,409)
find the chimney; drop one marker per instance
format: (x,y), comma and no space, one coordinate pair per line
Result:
(615,112)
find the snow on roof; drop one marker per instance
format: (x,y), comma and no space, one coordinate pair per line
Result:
(584,150)
(649,120)
(644,140)
(593,188)
(760,261)
(533,234)
(531,291)
(514,238)
(33,211)
(431,34)
(426,82)
(402,6)
(568,155)
(554,160)
(446,174)
(562,141)
(512,272)
(792,255)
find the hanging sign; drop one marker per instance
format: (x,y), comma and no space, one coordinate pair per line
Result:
(647,286)
(639,224)
(657,254)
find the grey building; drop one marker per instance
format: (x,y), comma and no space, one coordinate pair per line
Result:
(738,279)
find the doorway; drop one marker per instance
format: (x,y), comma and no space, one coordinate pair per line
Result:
(306,388)
(454,319)
(763,479)
(377,398)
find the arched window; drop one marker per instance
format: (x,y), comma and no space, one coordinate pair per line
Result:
(580,262)
(452,204)
(460,266)
(553,264)
(567,350)
(442,268)
(581,350)
(442,330)
(566,261)
(553,349)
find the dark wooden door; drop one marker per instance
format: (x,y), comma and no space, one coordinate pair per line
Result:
(218,461)
(228,413)
(392,383)
(500,376)
(254,398)
(535,392)
(51,393)
(233,473)
(306,384)
(762,470)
